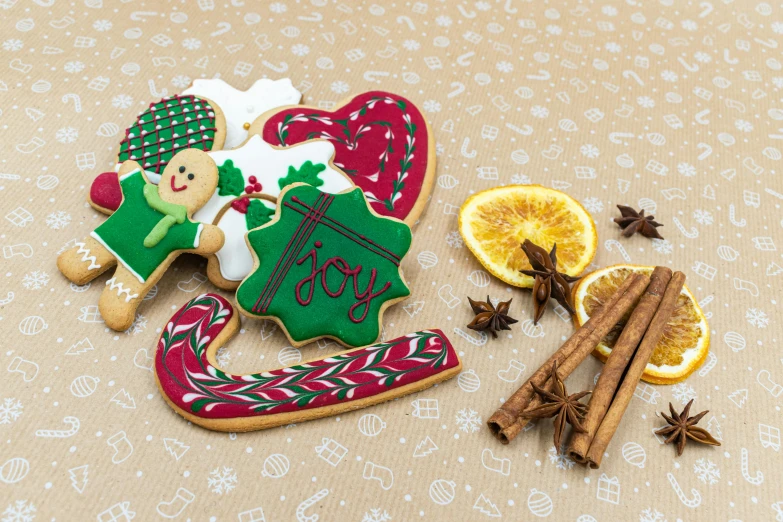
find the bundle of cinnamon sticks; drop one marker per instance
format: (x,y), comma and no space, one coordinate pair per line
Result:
(653,299)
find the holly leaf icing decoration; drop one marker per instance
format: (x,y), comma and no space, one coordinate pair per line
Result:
(167,127)
(258,214)
(307,173)
(326,266)
(230,179)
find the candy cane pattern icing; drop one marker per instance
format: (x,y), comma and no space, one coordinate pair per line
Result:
(204,394)
(326,266)
(241,108)
(259,170)
(381,139)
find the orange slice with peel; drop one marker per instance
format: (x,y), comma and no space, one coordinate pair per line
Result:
(494,224)
(686,338)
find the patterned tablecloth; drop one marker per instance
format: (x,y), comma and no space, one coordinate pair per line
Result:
(670,106)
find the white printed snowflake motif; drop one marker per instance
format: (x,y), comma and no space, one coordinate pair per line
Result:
(757,318)
(102,25)
(609,10)
(191,44)
(223,356)
(58,220)
(593,205)
(443,21)
(411,45)
(66,135)
(743,125)
(662,246)
(222,480)
(554,29)
(702,57)
(778,81)
(777,27)
(651,515)
(483,6)
(138,325)
(686,169)
(669,76)
(703,217)
(431,106)
(439,149)
(589,151)
(683,393)
(278,7)
(181,81)
(468,420)
(646,102)
(613,47)
(35,280)
(73,67)
(454,240)
(707,471)
(560,459)
(12,45)
(340,87)
(376,515)
(300,49)
(19,511)
(521,179)
(504,67)
(121,101)
(10,410)
(537,111)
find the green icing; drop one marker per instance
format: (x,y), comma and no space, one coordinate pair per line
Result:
(325,254)
(307,173)
(125,231)
(258,214)
(230,180)
(174,214)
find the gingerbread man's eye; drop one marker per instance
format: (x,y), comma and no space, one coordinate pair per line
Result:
(191,176)
(181,169)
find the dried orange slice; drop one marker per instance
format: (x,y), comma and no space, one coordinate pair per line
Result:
(686,338)
(494,224)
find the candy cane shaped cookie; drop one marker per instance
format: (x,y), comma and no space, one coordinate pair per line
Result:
(197,389)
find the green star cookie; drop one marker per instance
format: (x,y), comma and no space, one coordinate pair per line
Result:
(326,266)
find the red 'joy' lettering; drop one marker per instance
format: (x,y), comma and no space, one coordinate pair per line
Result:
(364,298)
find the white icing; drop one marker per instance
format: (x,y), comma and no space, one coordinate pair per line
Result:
(240,107)
(114,284)
(268,164)
(85,252)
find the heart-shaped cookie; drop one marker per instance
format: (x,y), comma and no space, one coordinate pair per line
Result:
(381,140)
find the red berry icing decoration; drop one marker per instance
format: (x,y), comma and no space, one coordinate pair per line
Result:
(240,205)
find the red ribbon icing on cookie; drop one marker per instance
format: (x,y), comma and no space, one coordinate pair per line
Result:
(197,387)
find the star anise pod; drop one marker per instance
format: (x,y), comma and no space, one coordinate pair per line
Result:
(558,404)
(549,282)
(489,317)
(633,221)
(681,428)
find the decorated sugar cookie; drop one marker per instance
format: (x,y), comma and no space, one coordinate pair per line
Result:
(326,266)
(256,172)
(151,227)
(241,108)
(381,140)
(166,128)
(193,385)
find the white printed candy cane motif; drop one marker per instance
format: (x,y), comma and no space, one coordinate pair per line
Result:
(732,218)
(689,502)
(77,101)
(758,478)
(61,434)
(468,336)
(612,244)
(300,510)
(693,232)
(113,283)
(87,257)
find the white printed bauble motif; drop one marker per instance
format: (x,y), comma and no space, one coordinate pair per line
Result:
(479,278)
(108,129)
(734,341)
(427,259)
(47,182)
(14,470)
(371,425)
(634,454)
(727,253)
(84,386)
(32,325)
(468,381)
(442,491)
(539,503)
(289,355)
(447,181)
(520,157)
(648,205)
(276,466)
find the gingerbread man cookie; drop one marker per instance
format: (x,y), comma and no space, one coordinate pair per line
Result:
(382,142)
(191,382)
(151,227)
(325,266)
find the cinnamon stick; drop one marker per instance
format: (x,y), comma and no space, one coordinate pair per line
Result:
(618,361)
(610,315)
(516,404)
(635,370)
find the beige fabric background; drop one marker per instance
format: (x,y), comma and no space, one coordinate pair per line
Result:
(672,106)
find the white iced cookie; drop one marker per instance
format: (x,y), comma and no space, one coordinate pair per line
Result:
(250,179)
(243,107)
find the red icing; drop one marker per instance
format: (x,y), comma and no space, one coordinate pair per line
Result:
(241,205)
(382,131)
(105,191)
(174,186)
(195,386)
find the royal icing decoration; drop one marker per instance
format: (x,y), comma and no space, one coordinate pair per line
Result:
(381,141)
(255,173)
(86,256)
(206,393)
(113,284)
(168,126)
(326,266)
(241,108)
(142,236)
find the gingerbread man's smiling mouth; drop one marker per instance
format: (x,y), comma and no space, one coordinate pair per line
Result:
(174,186)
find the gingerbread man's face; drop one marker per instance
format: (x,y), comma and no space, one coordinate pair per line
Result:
(189,179)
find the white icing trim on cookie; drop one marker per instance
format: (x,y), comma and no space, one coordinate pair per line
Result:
(113,283)
(240,107)
(87,257)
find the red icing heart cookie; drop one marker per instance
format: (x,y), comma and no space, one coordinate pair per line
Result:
(381,140)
